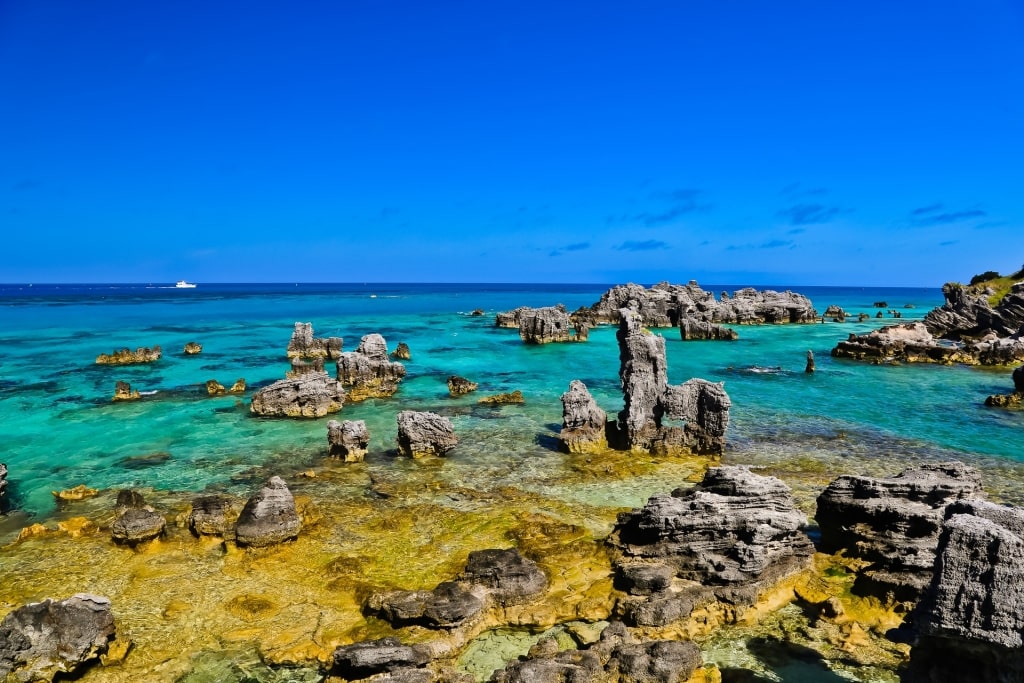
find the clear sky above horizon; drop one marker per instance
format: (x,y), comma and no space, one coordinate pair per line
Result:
(873,143)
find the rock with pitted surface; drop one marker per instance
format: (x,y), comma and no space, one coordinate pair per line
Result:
(750,307)
(402,352)
(373,657)
(347,440)
(313,395)
(422,433)
(368,372)
(836,313)
(581,330)
(968,314)
(214,515)
(304,345)
(42,640)
(903,343)
(459,386)
(269,517)
(508,577)
(135,522)
(193,349)
(726,538)
(703,405)
(809,368)
(691,330)
(510,318)
(129,357)
(971,620)
(449,605)
(583,421)
(511,397)
(123,392)
(215,388)
(305,366)
(544,325)
(893,524)
(238,387)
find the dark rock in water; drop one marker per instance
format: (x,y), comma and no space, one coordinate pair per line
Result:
(703,405)
(192,349)
(583,421)
(402,352)
(544,325)
(1018,380)
(368,658)
(509,577)
(312,395)
(214,515)
(304,345)
(135,525)
(368,372)
(477,312)
(810,362)
(424,433)
(836,313)
(1011,400)
(664,661)
(569,666)
(690,329)
(459,386)
(41,640)
(269,517)
(893,523)
(130,498)
(970,620)
(581,330)
(447,606)
(123,392)
(734,534)
(881,304)
(3,487)
(129,357)
(347,440)
(506,398)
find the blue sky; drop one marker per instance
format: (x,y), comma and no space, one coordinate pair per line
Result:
(876,143)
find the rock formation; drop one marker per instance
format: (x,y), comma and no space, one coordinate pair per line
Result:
(423,433)
(506,398)
(305,366)
(40,640)
(459,386)
(727,538)
(970,620)
(836,313)
(347,440)
(192,349)
(312,395)
(135,522)
(583,421)
(215,388)
(907,343)
(968,314)
(269,517)
(214,515)
(123,392)
(809,368)
(304,345)
(703,405)
(1014,399)
(893,524)
(3,487)
(580,329)
(402,352)
(374,657)
(510,318)
(690,330)
(367,372)
(544,325)
(129,357)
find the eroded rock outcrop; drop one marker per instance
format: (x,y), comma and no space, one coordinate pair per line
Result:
(123,392)
(728,538)
(402,352)
(583,421)
(893,524)
(422,433)
(129,357)
(967,313)
(312,395)
(1015,398)
(214,515)
(304,345)
(913,343)
(375,657)
(703,405)
(459,386)
(215,388)
(510,397)
(269,517)
(3,487)
(544,325)
(691,330)
(368,372)
(135,522)
(192,349)
(40,640)
(970,620)
(347,440)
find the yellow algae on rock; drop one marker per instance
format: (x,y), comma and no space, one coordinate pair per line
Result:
(77,526)
(32,530)
(116,652)
(75,493)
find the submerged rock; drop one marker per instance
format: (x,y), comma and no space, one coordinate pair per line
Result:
(449,605)
(192,349)
(129,357)
(214,515)
(269,517)
(424,433)
(304,345)
(506,398)
(583,421)
(347,440)
(508,577)
(459,386)
(123,392)
(137,524)
(41,640)
(372,657)
(971,622)
(893,524)
(368,372)
(312,395)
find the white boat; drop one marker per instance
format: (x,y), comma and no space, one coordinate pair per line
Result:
(184,285)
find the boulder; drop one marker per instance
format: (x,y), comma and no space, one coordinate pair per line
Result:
(510,318)
(3,487)
(128,357)
(506,398)
(424,433)
(893,524)
(904,343)
(544,325)
(238,387)
(42,640)
(192,349)
(372,657)
(1014,399)
(368,372)
(583,421)
(580,329)
(402,352)
(459,386)
(508,577)
(304,345)
(313,395)
(477,312)
(215,388)
(347,440)
(269,517)
(728,537)
(836,313)
(691,329)
(123,392)
(447,606)
(214,515)
(809,368)
(970,621)
(135,522)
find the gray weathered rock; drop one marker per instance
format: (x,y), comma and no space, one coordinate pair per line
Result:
(508,577)
(425,433)
(40,640)
(809,368)
(972,616)
(368,372)
(269,517)
(304,345)
(544,325)
(3,487)
(583,421)
(967,313)
(510,318)
(913,343)
(312,395)
(691,329)
(836,313)
(459,386)
(893,523)
(449,605)
(135,522)
(347,440)
(305,366)
(214,515)
(372,657)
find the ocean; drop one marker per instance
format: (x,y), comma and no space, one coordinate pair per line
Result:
(61,428)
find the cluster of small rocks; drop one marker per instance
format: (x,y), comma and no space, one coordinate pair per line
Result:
(128,357)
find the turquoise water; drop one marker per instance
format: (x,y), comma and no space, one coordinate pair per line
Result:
(61,429)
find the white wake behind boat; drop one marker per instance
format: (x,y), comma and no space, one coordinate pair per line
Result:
(184,285)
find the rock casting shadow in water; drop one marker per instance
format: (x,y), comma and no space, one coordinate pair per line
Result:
(790,662)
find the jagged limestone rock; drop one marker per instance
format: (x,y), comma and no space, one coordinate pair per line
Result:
(347,440)
(583,421)
(544,325)
(422,433)
(459,386)
(129,357)
(305,346)
(269,517)
(368,371)
(123,392)
(312,395)
(214,515)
